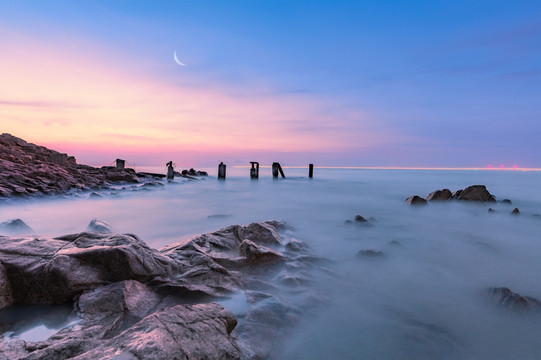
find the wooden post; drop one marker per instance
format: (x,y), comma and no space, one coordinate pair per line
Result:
(277,168)
(221,171)
(120,164)
(311,171)
(170,171)
(254,171)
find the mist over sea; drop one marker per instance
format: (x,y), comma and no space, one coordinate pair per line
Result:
(423,299)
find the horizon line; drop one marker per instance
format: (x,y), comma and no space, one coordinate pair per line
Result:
(399,168)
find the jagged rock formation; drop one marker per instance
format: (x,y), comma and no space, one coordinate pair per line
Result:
(27,169)
(137,302)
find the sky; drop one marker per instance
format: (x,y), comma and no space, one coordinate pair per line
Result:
(334,83)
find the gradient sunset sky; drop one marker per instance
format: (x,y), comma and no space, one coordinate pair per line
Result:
(335,83)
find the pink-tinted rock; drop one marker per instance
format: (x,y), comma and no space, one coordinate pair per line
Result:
(415,200)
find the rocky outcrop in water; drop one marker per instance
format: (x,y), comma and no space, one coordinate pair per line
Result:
(137,302)
(477,193)
(505,297)
(15,227)
(439,195)
(27,170)
(474,193)
(415,200)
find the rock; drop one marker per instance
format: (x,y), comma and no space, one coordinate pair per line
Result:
(490,210)
(256,254)
(371,253)
(505,201)
(99,226)
(181,332)
(474,193)
(131,298)
(53,271)
(415,200)
(505,297)
(515,211)
(15,227)
(439,195)
(30,170)
(360,219)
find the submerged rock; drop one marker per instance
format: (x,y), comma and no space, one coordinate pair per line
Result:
(15,227)
(505,297)
(515,211)
(370,253)
(415,200)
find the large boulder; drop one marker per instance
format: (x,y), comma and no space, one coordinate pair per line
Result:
(439,195)
(415,200)
(52,271)
(474,193)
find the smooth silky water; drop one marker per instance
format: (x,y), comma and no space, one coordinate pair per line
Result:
(423,299)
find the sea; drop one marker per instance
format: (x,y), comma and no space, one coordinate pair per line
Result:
(424,297)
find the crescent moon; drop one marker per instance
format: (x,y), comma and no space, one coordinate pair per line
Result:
(177,60)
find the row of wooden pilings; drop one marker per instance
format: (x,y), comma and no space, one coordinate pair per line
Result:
(254,170)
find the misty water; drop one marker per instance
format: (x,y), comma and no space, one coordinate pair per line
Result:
(423,299)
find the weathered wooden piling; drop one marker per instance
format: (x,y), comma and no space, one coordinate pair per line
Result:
(170,171)
(277,168)
(310,170)
(120,164)
(254,171)
(221,170)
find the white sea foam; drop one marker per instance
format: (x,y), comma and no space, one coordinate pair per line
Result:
(423,299)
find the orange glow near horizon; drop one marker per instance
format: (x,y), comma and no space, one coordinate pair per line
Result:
(80,99)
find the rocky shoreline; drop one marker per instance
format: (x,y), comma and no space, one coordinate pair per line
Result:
(136,302)
(29,170)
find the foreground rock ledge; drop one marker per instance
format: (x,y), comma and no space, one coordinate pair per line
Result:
(135,302)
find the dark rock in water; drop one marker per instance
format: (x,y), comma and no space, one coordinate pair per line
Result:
(395,243)
(474,193)
(370,253)
(348,222)
(491,210)
(360,219)
(505,201)
(415,200)
(515,211)
(99,226)
(505,297)
(218,216)
(15,227)
(439,195)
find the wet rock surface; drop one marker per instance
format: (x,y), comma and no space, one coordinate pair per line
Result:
(28,170)
(135,302)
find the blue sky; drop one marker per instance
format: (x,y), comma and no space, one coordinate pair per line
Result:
(377,83)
